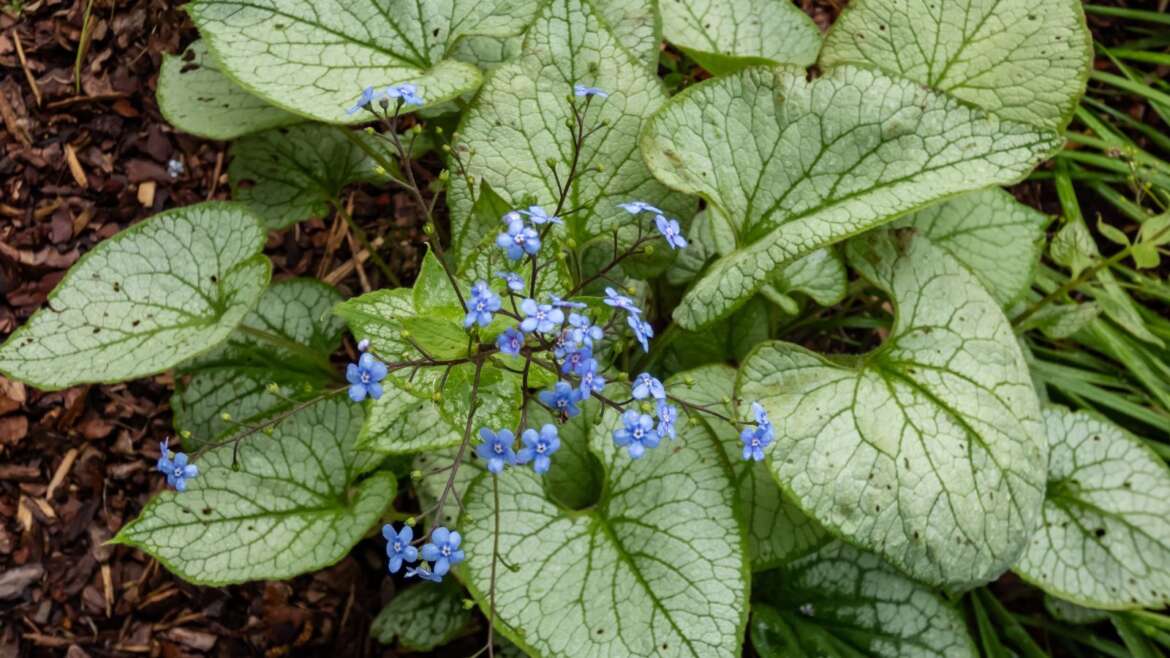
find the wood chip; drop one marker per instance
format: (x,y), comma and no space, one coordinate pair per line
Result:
(12,121)
(75,167)
(32,81)
(61,472)
(146,193)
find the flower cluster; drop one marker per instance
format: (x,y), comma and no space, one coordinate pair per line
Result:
(404,93)
(442,552)
(755,439)
(177,470)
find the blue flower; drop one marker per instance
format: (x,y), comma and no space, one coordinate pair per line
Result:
(540,317)
(647,385)
(755,439)
(539,216)
(561,303)
(562,399)
(405,92)
(177,470)
(667,414)
(538,447)
(621,301)
(398,547)
(583,331)
(635,207)
(582,90)
(482,304)
(443,550)
(671,231)
(518,240)
(510,341)
(364,345)
(515,281)
(636,434)
(423,573)
(364,376)
(364,100)
(592,381)
(642,331)
(496,449)
(579,361)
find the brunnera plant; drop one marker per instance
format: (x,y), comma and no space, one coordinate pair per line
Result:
(607,437)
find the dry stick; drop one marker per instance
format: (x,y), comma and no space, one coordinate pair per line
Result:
(360,234)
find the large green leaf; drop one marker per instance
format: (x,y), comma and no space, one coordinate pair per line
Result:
(1105,538)
(998,238)
(295,173)
(778,532)
(423,617)
(285,341)
(842,602)
(314,57)
(928,450)
(144,300)
(722,35)
(656,567)
(517,125)
(798,165)
(293,503)
(1019,59)
(197,98)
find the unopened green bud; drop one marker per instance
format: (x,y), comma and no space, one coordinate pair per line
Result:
(551,163)
(411,521)
(186,434)
(405,333)
(468,604)
(599,167)
(444,175)
(416,475)
(689,380)
(369,130)
(571,243)
(455,136)
(438,130)
(446,148)
(416,129)
(273,388)
(380,170)
(437,396)
(649,250)
(225,417)
(268,431)
(429,229)
(470,179)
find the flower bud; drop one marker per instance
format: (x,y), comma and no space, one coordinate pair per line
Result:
(363,345)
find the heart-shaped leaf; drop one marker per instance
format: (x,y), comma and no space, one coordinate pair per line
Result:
(998,238)
(798,165)
(842,602)
(723,36)
(1105,538)
(423,617)
(195,97)
(657,566)
(144,300)
(928,450)
(290,504)
(313,58)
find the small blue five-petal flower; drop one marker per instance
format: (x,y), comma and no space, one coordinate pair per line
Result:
(398,548)
(636,433)
(482,304)
(510,341)
(592,381)
(667,415)
(518,240)
(647,385)
(364,100)
(364,377)
(177,470)
(583,331)
(635,207)
(515,281)
(538,447)
(564,303)
(543,318)
(539,216)
(578,361)
(562,399)
(755,439)
(582,90)
(423,573)
(443,550)
(621,301)
(405,92)
(642,331)
(496,449)
(671,231)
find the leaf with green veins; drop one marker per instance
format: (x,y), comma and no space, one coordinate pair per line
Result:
(234,378)
(1073,247)
(777,531)
(1021,60)
(440,333)
(403,424)
(725,36)
(1071,613)
(196,98)
(656,567)
(928,450)
(996,237)
(498,398)
(378,317)
(432,289)
(290,174)
(293,503)
(801,165)
(423,617)
(152,296)
(436,470)
(487,52)
(1105,537)
(636,26)
(575,478)
(843,602)
(1059,321)
(314,58)
(819,275)
(478,231)
(517,125)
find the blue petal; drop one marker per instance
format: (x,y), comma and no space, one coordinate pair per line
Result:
(357,392)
